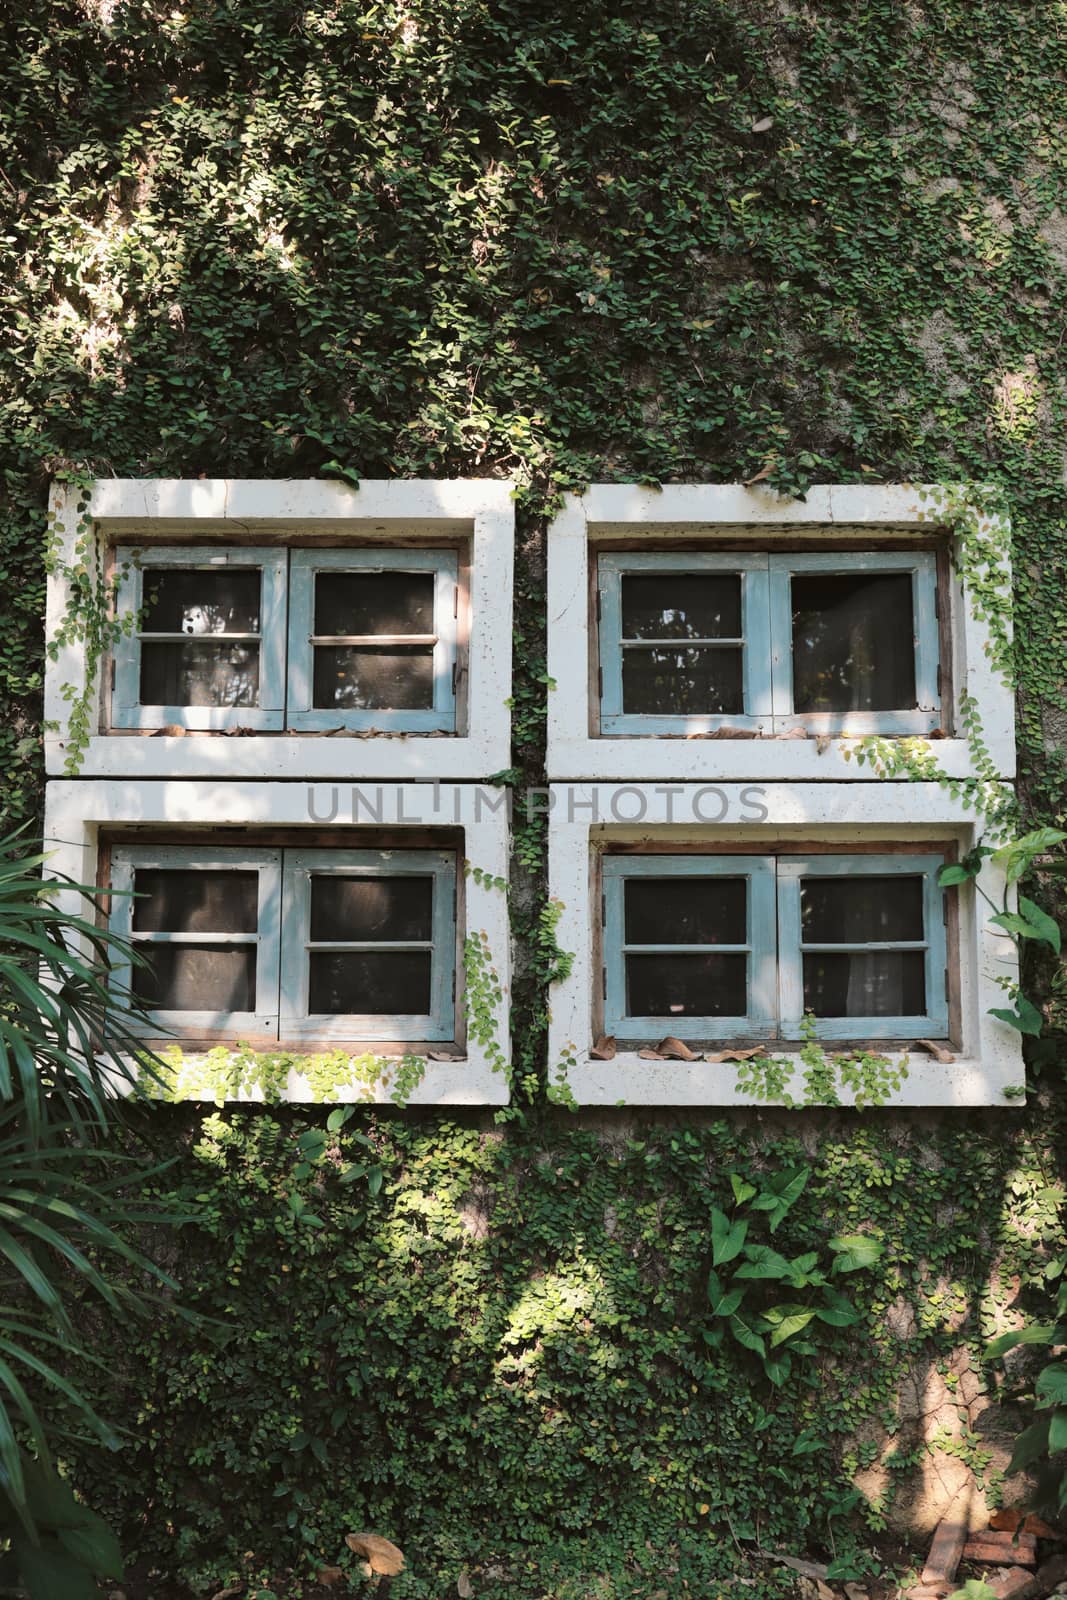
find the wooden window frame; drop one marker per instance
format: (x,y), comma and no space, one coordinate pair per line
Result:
(766,642)
(304,565)
(268,715)
(775,946)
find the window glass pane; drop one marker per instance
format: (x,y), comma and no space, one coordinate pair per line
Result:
(681,605)
(877,983)
(861,910)
(685,911)
(374,602)
(190,977)
(371,908)
(374,679)
(170,901)
(686,682)
(853,642)
(205,673)
(369,982)
(686,986)
(178,601)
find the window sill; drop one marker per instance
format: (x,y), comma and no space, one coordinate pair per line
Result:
(716,758)
(631,1079)
(280,756)
(461,1081)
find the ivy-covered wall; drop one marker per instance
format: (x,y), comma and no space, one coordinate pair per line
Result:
(704,240)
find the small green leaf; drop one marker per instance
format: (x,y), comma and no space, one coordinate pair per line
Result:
(742,1189)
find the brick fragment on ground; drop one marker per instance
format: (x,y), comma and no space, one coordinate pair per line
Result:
(1008,1519)
(1013,1583)
(1013,1549)
(946,1548)
(927,1591)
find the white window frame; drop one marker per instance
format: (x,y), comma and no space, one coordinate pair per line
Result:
(80,814)
(386,516)
(632,520)
(588,819)
(127,710)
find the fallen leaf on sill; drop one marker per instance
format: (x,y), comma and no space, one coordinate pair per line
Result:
(736,1055)
(823,742)
(443,1055)
(604,1049)
(170,730)
(381,1556)
(794,733)
(936,733)
(938,1051)
(651,1055)
(675,1049)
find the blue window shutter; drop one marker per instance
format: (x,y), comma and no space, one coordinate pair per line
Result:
(922,564)
(612,566)
(791,869)
(268,713)
(438,1024)
(759,1018)
(127,860)
(304,565)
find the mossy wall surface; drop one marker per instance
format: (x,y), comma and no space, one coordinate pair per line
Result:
(684,241)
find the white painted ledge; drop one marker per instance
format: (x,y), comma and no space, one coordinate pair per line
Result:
(630,1080)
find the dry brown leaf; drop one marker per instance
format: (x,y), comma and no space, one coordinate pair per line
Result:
(328,1576)
(604,1049)
(765,471)
(650,1055)
(676,1049)
(735,1055)
(380,1555)
(463,1587)
(794,733)
(763,125)
(938,1052)
(442,1055)
(823,742)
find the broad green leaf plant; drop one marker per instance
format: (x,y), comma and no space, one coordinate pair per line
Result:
(767,1302)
